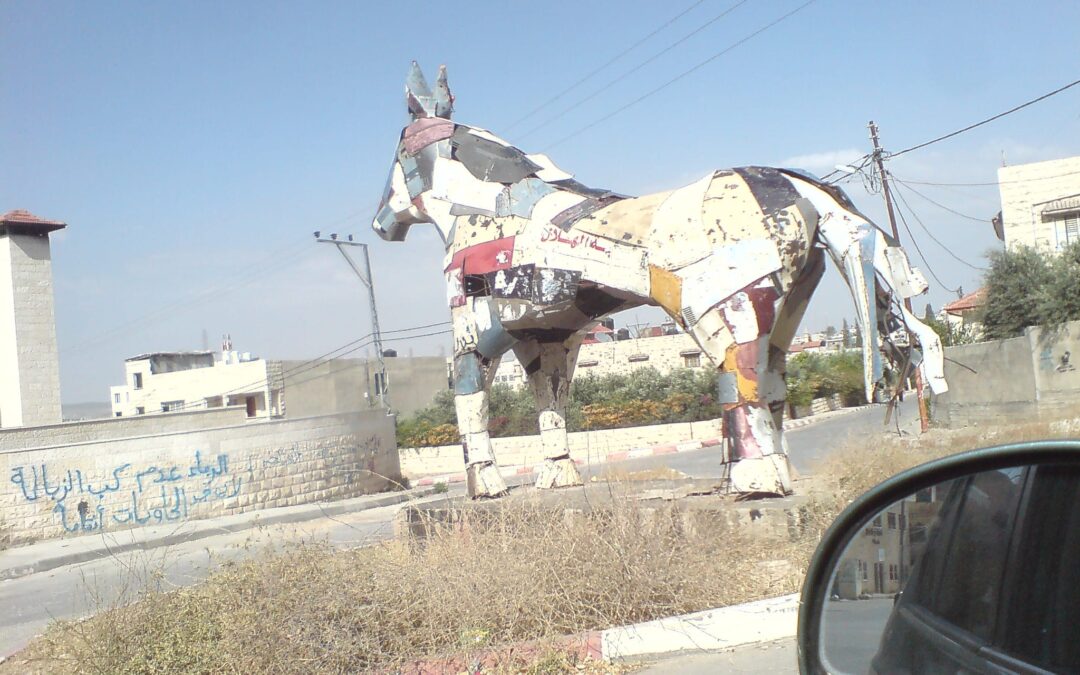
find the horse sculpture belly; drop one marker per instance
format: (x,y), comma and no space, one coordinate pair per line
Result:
(534,259)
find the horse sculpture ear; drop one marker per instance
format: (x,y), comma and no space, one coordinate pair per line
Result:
(444,100)
(418,94)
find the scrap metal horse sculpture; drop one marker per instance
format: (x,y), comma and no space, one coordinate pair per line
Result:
(534,259)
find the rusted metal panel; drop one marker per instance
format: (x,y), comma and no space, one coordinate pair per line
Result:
(425,131)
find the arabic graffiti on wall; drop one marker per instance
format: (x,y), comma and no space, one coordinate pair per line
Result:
(127,496)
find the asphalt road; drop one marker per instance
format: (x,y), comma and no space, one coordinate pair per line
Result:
(28,604)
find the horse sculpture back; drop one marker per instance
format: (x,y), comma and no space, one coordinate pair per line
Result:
(535,259)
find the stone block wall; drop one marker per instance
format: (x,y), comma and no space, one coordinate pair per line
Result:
(105,485)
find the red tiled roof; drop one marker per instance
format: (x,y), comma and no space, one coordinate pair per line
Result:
(966,303)
(20,219)
(810,344)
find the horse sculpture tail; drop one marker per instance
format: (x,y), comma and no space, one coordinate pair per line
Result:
(880,277)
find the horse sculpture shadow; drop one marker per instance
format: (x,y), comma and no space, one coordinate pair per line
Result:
(534,259)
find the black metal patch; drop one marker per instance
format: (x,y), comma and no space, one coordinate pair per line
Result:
(551,286)
(516,282)
(772,190)
(543,335)
(571,185)
(490,161)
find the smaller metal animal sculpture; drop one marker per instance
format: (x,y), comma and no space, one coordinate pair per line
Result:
(534,259)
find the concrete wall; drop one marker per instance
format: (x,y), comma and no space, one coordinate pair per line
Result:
(1025,189)
(112,475)
(29,365)
(584,445)
(349,384)
(1033,375)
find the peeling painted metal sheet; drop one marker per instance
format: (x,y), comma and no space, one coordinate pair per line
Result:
(520,198)
(489,256)
(548,171)
(666,289)
(553,204)
(627,221)
(772,190)
(453,183)
(725,271)
(493,340)
(425,131)
(467,376)
(551,286)
(727,388)
(513,282)
(455,287)
(908,281)
(490,160)
(567,217)
(677,237)
(466,334)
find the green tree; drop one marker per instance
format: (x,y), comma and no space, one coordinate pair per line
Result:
(1060,300)
(1017,285)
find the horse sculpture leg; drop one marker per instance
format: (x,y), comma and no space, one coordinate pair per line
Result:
(482,478)
(550,366)
(751,384)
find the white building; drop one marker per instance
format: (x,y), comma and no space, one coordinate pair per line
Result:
(172,381)
(29,365)
(1040,203)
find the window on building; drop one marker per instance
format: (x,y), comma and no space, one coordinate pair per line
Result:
(119,414)
(587,364)
(877,521)
(116,398)
(136,380)
(1068,229)
(892,521)
(167,406)
(140,410)
(691,360)
(634,358)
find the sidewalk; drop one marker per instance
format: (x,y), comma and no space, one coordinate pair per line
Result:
(47,555)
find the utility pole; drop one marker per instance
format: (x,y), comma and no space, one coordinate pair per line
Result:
(381,383)
(924,421)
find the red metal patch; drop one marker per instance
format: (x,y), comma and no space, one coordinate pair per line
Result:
(490,256)
(425,131)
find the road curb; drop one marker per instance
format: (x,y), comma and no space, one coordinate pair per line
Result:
(713,629)
(200,529)
(751,623)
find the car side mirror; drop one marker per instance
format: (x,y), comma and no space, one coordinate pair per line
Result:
(967,563)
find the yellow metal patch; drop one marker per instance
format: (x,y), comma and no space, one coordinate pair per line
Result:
(666,289)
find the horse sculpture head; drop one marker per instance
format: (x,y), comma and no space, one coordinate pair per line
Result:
(411,176)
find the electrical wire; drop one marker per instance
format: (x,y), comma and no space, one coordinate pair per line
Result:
(985,121)
(635,69)
(275,261)
(940,206)
(993,183)
(684,74)
(948,250)
(918,250)
(607,63)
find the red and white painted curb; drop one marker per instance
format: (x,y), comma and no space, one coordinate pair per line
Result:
(635,453)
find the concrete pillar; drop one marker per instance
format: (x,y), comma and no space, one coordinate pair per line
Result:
(29,362)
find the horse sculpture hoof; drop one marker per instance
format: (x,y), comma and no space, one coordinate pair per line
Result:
(557,473)
(764,475)
(484,481)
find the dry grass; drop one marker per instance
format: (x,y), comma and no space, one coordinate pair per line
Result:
(523,575)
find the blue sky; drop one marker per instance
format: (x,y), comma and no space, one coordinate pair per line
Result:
(193,147)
